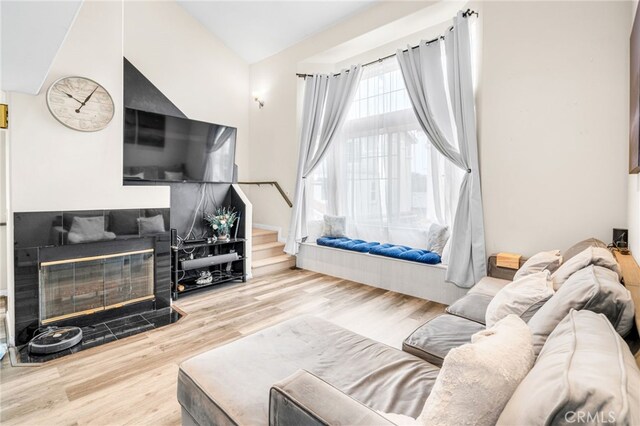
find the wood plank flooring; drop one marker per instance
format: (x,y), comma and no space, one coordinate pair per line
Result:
(133,381)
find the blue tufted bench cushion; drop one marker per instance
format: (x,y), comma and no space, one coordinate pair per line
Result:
(375,248)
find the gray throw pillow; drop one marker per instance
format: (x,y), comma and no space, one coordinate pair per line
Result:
(593,288)
(585,371)
(437,238)
(173,175)
(151,225)
(88,229)
(334,226)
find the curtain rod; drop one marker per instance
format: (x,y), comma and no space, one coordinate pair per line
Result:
(465,14)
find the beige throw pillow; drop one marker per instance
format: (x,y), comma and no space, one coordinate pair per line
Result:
(543,261)
(522,297)
(477,379)
(597,256)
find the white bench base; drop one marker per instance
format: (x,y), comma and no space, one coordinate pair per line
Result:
(402,276)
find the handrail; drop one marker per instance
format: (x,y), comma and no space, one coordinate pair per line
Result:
(272,183)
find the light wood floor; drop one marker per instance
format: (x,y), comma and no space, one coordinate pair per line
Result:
(133,381)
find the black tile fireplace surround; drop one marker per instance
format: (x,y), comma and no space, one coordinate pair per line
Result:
(42,238)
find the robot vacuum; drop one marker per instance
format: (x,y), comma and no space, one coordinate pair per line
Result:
(55,339)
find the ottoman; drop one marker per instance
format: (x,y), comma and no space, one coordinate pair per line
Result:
(230,385)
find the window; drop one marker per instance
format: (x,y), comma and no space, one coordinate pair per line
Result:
(381,172)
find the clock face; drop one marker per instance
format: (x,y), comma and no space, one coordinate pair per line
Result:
(80,104)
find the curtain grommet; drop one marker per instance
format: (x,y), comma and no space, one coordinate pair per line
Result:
(468,170)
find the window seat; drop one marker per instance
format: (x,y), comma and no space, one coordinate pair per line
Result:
(426,281)
(388,250)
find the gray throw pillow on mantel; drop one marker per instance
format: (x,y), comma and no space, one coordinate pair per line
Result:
(88,229)
(151,225)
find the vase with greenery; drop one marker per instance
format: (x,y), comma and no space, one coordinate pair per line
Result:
(221,221)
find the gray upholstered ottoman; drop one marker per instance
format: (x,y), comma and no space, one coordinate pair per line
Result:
(231,384)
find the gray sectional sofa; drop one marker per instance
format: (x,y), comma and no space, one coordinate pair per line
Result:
(307,371)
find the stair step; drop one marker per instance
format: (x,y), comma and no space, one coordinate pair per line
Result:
(272,264)
(263,251)
(263,236)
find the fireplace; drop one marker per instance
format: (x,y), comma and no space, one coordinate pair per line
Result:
(75,287)
(111,287)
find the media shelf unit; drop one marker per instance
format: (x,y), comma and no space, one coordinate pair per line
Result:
(234,270)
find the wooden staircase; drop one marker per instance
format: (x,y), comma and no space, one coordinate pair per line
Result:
(268,254)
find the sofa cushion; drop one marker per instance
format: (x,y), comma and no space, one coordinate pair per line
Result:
(585,370)
(581,246)
(478,379)
(489,286)
(522,297)
(433,340)
(543,261)
(593,288)
(231,383)
(472,306)
(589,256)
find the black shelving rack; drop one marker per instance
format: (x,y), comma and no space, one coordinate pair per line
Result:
(221,273)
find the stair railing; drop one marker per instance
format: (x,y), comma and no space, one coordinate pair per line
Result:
(272,183)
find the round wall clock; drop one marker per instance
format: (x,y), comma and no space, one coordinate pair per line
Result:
(80,104)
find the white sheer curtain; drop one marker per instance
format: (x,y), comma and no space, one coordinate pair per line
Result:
(382,172)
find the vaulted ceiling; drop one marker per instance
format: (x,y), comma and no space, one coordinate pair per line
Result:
(31,34)
(256,30)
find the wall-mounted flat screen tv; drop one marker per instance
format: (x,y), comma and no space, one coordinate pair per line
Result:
(165,148)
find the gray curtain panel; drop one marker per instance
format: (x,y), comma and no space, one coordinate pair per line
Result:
(453,133)
(327,99)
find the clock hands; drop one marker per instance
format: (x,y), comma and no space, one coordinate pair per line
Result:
(71,96)
(86,100)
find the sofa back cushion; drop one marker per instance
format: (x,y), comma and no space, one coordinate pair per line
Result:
(581,246)
(584,374)
(593,288)
(478,378)
(543,261)
(590,256)
(522,297)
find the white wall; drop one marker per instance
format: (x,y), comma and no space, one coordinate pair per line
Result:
(552,118)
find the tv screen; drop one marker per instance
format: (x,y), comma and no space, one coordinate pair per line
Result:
(165,148)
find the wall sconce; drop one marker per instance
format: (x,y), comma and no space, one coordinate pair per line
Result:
(259,101)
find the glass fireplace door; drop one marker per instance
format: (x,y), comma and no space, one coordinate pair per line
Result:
(74,287)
